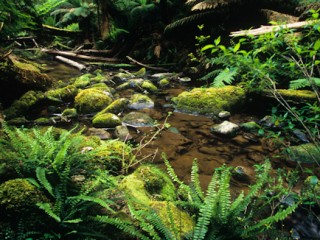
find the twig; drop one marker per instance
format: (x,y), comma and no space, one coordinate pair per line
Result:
(147,66)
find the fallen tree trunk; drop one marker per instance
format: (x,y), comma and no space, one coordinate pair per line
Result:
(94,51)
(79,56)
(72,63)
(268,29)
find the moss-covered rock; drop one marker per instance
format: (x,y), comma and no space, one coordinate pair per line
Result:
(140,73)
(148,183)
(117,106)
(173,216)
(69,113)
(18,77)
(304,153)
(138,119)
(103,87)
(106,120)
(149,86)
(164,82)
(82,81)
(92,100)
(19,195)
(210,101)
(43,121)
(140,101)
(250,126)
(22,106)
(113,155)
(67,93)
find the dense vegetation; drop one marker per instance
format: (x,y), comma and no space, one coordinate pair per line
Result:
(62,184)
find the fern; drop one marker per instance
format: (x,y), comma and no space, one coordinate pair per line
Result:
(41,176)
(303,82)
(48,209)
(225,77)
(47,6)
(195,179)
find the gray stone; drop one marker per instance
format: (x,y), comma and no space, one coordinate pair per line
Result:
(225,128)
(137,119)
(224,114)
(122,133)
(101,133)
(140,101)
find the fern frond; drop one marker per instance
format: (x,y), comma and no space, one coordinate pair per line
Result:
(122,225)
(195,179)
(48,6)
(41,176)
(206,210)
(225,77)
(224,195)
(211,4)
(304,82)
(186,20)
(48,209)
(279,216)
(103,203)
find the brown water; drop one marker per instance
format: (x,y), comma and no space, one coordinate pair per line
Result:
(189,137)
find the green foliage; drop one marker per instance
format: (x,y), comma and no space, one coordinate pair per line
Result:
(25,150)
(48,6)
(16,16)
(219,215)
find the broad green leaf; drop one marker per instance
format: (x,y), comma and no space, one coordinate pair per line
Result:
(217,41)
(317,45)
(236,47)
(209,46)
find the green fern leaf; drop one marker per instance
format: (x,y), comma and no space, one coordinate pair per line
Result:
(47,208)
(303,82)
(225,77)
(195,179)
(41,176)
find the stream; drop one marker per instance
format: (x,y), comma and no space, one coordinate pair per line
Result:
(188,136)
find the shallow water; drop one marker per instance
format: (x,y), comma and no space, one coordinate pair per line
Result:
(189,136)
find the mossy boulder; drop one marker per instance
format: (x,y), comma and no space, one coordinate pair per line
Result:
(18,76)
(140,101)
(82,81)
(19,196)
(30,100)
(251,126)
(112,155)
(69,113)
(171,216)
(210,101)
(138,119)
(106,120)
(149,86)
(140,73)
(67,93)
(148,183)
(304,153)
(92,100)
(43,121)
(164,82)
(116,106)
(103,87)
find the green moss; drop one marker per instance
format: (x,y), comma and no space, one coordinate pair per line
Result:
(24,104)
(116,106)
(210,101)
(164,82)
(304,153)
(29,74)
(106,120)
(92,100)
(149,86)
(297,95)
(140,73)
(70,112)
(103,87)
(43,121)
(83,80)
(19,195)
(181,220)
(112,155)
(62,94)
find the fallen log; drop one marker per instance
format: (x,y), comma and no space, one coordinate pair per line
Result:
(147,66)
(94,51)
(79,56)
(268,29)
(72,63)
(60,31)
